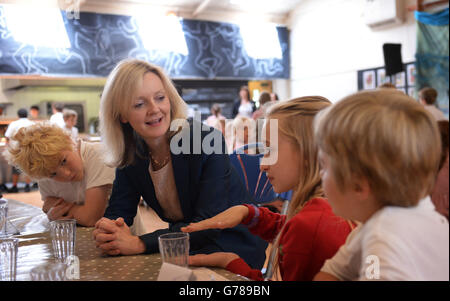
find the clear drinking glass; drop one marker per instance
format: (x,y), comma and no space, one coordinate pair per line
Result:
(3,217)
(174,248)
(52,271)
(8,258)
(63,233)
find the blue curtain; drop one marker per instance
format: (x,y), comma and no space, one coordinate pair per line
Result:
(432,54)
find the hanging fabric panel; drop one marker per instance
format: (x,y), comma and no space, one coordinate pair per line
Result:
(432,54)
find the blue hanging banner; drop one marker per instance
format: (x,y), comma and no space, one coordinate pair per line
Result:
(437,19)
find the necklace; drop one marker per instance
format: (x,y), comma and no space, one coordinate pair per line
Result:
(158,164)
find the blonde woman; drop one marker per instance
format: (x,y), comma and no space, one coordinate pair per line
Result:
(140,117)
(310,233)
(380,152)
(74,182)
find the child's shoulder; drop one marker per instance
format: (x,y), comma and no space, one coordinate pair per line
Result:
(400,222)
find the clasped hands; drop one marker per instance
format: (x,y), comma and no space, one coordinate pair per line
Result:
(114,237)
(227,219)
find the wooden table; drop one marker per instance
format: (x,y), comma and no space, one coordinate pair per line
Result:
(35,248)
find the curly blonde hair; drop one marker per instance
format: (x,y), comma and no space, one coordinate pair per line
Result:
(36,149)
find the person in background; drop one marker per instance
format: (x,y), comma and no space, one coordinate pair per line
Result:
(34,112)
(141,119)
(243,131)
(440,193)
(216,115)
(74,181)
(427,97)
(70,120)
(380,153)
(274,96)
(12,129)
(244,105)
(310,233)
(264,99)
(57,117)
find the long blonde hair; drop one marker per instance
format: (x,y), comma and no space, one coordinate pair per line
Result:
(295,122)
(121,141)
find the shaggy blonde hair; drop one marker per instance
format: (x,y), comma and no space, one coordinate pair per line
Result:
(295,122)
(36,149)
(387,138)
(120,140)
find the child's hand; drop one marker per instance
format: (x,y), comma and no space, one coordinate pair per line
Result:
(227,219)
(50,202)
(60,211)
(218,259)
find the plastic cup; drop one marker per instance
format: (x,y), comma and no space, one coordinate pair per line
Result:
(63,233)
(3,217)
(8,258)
(53,271)
(174,248)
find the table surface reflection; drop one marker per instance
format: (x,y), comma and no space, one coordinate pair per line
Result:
(35,248)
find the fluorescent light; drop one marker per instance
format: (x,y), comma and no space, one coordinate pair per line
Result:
(163,33)
(261,40)
(36,25)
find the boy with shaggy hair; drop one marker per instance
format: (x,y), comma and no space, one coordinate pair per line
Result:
(380,153)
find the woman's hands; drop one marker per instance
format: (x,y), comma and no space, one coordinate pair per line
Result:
(114,237)
(227,219)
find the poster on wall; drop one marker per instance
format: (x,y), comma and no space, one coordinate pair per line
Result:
(369,80)
(411,74)
(400,79)
(381,77)
(412,92)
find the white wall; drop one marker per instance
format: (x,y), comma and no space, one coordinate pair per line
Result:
(330,43)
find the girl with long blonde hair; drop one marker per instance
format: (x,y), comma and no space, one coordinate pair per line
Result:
(309,233)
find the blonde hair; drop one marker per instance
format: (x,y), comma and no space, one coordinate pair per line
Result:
(387,138)
(36,149)
(295,122)
(120,140)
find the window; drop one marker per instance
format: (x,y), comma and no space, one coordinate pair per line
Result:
(36,25)
(163,33)
(261,40)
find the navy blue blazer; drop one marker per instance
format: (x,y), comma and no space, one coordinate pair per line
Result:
(207,184)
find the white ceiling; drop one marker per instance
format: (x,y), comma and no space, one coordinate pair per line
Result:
(220,10)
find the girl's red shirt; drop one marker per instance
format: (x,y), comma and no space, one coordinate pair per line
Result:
(309,238)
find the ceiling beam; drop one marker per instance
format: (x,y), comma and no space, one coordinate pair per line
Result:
(201,7)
